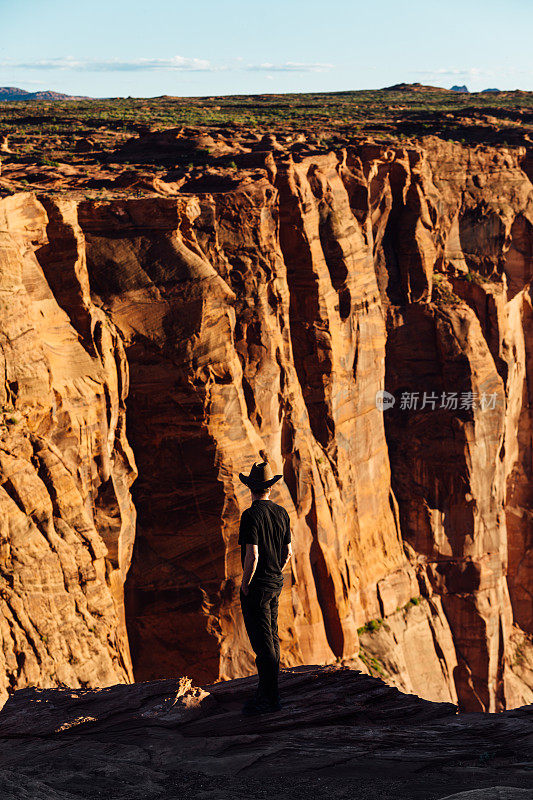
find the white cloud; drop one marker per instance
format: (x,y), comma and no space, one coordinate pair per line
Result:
(176,63)
(288,66)
(472,72)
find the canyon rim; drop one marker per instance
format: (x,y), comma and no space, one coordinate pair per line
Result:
(160,337)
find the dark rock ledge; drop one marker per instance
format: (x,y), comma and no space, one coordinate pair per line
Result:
(341,734)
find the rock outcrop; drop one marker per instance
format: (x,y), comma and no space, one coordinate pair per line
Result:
(261,316)
(339,732)
(67,520)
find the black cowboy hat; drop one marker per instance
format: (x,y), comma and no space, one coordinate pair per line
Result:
(260,477)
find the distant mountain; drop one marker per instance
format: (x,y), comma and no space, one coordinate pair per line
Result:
(459,89)
(13,93)
(413,87)
(483,91)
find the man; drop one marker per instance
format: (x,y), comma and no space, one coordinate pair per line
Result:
(265,539)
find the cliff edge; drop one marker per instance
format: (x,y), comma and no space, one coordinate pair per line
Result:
(340,731)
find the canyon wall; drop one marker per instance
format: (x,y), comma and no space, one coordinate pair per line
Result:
(210,330)
(67,521)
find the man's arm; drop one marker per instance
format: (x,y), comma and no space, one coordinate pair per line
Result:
(286,549)
(251,557)
(286,553)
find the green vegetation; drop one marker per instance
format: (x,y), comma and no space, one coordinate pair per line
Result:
(370,626)
(472,276)
(8,416)
(372,663)
(521,651)
(48,128)
(89,136)
(44,161)
(414,601)
(442,293)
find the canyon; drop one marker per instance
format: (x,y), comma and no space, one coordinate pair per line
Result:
(162,337)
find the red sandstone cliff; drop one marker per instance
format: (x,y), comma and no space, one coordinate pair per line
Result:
(67,520)
(263,320)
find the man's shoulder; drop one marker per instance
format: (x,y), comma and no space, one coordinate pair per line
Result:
(281,508)
(249,514)
(252,512)
(277,509)
(259,507)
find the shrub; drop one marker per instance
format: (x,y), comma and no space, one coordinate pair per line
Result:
(414,601)
(474,277)
(372,663)
(370,626)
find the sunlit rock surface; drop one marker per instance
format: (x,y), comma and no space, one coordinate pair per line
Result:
(260,316)
(67,520)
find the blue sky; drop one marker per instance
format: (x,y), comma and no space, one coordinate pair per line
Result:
(107,48)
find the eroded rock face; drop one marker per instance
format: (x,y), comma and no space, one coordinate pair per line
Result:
(229,358)
(65,466)
(451,466)
(262,320)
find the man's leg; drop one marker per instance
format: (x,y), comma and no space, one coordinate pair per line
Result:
(274,605)
(249,605)
(257,616)
(267,659)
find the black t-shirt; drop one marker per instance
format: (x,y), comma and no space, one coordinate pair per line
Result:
(268,526)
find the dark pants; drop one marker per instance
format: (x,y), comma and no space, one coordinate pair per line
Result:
(260,613)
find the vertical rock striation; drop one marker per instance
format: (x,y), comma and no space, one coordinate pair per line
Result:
(465,213)
(65,467)
(262,320)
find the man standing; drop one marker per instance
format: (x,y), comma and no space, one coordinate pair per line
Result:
(265,539)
